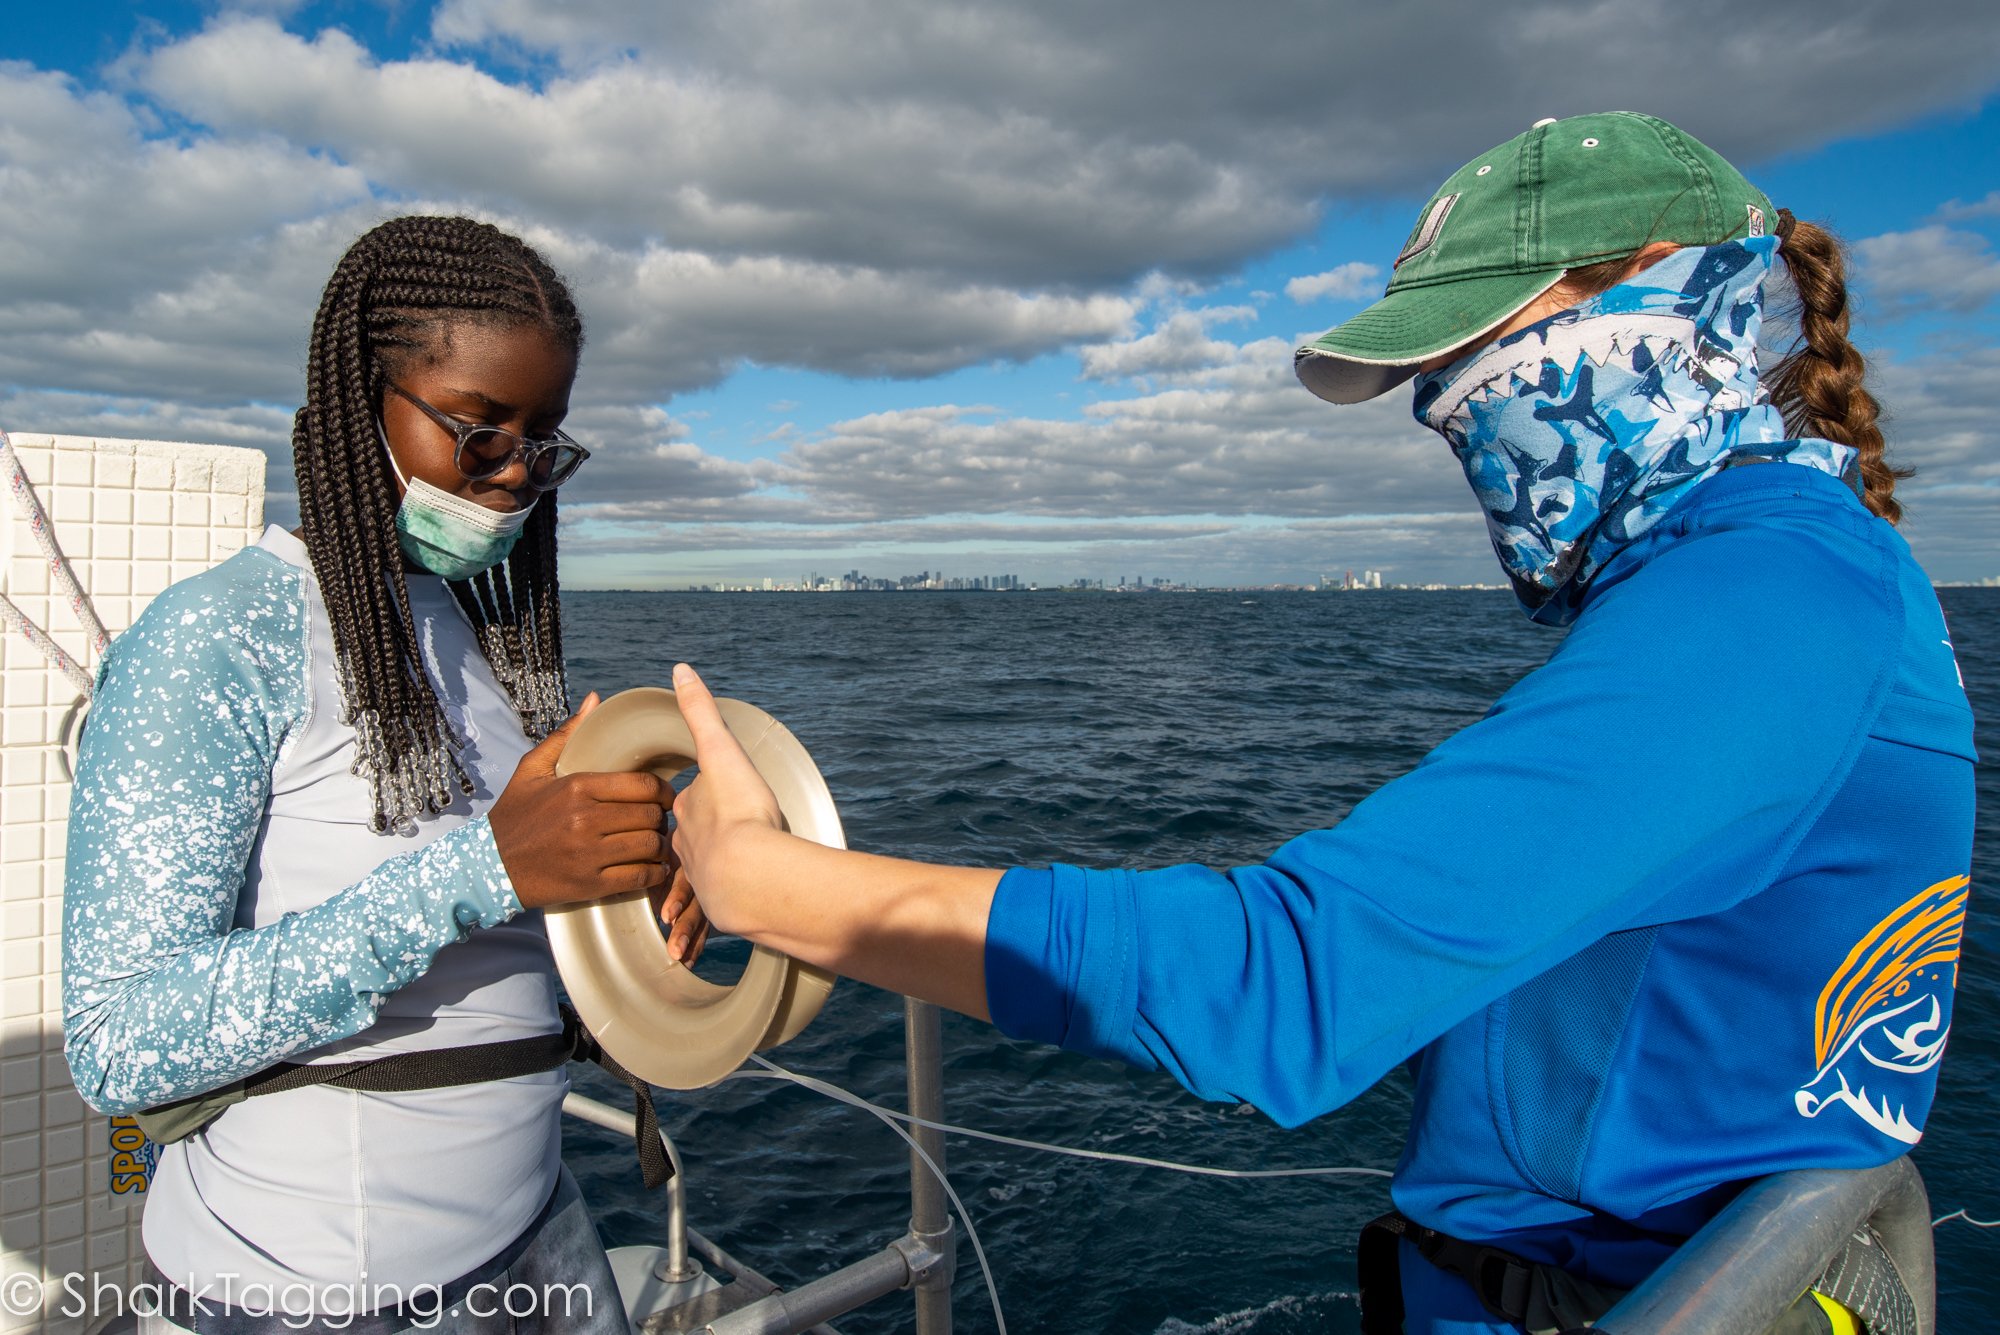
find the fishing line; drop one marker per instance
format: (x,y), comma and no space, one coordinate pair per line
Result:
(1199,1170)
(890,1117)
(1960,1214)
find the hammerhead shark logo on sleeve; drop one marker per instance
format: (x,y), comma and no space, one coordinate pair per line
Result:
(1885,1013)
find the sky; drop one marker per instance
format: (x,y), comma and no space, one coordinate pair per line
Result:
(966,286)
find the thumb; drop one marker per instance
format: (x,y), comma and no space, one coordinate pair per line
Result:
(541,760)
(713,742)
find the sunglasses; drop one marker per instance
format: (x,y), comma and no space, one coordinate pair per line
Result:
(482,452)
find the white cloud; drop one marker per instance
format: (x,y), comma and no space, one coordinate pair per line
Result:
(1295,97)
(135,263)
(252,425)
(1346,282)
(635,149)
(765,181)
(1930,268)
(1938,417)
(1180,344)
(1033,142)
(187,268)
(681,319)
(1963,211)
(1236,438)
(614,534)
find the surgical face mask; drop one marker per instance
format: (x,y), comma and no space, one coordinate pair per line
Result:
(449,535)
(1580,432)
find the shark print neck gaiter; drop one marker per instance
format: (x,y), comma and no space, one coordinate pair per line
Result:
(1580,431)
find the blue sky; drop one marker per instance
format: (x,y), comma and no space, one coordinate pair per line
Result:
(949,284)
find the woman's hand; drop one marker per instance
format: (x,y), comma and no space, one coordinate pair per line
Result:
(682,916)
(906,926)
(580,836)
(725,809)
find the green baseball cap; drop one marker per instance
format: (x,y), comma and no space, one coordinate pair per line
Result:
(1510,223)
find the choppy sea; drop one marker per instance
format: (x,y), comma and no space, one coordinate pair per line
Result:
(1137,730)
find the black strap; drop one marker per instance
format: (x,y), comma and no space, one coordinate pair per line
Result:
(1380,1268)
(1505,1284)
(1501,1279)
(442,1068)
(437,1068)
(654,1165)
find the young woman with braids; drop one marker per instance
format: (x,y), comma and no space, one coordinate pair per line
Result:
(315,811)
(1683,910)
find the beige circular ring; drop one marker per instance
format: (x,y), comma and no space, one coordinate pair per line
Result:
(660,1020)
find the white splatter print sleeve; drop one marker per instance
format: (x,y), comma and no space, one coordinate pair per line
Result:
(163,997)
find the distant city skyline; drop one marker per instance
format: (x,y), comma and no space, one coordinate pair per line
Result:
(927,581)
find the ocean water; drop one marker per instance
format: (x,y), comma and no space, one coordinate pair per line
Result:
(1142,731)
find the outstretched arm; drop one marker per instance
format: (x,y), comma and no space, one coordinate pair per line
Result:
(908,926)
(1663,765)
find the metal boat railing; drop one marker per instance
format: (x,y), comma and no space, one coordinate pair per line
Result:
(1754,1260)
(922,1260)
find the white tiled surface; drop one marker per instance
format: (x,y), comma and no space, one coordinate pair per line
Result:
(133,517)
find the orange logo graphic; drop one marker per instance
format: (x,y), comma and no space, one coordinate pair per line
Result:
(1867,1023)
(1921,932)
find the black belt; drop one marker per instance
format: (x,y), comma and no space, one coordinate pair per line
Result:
(433,1068)
(1861,1278)
(1499,1278)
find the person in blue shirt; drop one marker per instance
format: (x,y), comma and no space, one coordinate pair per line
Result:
(1681,911)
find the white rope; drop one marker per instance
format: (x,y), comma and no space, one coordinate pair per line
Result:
(1960,1214)
(1199,1170)
(889,1118)
(17,621)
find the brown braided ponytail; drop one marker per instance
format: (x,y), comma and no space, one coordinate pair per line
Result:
(1818,384)
(395,293)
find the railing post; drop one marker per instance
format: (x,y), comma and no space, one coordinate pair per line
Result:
(676,1267)
(930,1220)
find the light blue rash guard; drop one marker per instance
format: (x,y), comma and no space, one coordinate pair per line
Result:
(226,907)
(1682,910)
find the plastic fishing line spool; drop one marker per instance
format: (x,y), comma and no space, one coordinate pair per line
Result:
(660,1020)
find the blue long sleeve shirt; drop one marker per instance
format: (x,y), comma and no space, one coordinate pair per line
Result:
(1682,910)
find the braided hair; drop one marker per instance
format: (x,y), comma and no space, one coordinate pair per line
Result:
(1819,383)
(392,299)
